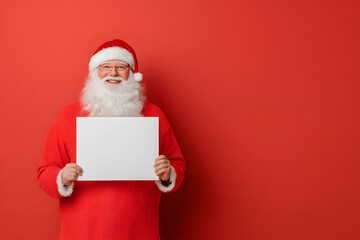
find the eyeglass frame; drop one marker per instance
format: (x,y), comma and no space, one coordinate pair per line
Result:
(125,67)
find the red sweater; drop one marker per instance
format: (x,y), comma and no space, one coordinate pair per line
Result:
(106,210)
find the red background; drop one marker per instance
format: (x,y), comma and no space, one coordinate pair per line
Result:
(262,95)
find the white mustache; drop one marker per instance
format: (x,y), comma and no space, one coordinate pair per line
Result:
(113,78)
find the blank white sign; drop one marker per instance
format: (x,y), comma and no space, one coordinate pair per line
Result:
(117,148)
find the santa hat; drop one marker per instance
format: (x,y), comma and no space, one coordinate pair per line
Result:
(116,49)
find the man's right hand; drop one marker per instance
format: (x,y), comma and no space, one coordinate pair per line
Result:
(70,173)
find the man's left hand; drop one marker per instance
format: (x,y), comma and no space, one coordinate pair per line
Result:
(162,167)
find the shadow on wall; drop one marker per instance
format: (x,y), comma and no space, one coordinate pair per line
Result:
(179,207)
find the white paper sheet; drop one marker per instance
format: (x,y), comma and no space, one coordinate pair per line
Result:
(117,148)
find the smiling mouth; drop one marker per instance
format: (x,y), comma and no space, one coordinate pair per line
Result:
(113,81)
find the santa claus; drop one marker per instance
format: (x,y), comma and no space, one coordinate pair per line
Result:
(108,209)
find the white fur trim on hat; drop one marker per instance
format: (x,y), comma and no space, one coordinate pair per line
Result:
(172,180)
(64,191)
(138,76)
(110,54)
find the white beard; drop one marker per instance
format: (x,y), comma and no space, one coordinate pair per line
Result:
(102,99)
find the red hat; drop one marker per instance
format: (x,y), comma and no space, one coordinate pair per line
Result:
(116,49)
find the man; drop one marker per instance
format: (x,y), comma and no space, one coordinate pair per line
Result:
(108,209)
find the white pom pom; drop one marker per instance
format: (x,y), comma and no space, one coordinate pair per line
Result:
(138,76)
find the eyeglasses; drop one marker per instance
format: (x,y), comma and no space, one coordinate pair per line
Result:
(107,68)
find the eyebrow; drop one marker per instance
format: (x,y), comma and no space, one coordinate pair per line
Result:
(122,63)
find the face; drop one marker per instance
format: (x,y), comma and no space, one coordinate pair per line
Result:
(114,68)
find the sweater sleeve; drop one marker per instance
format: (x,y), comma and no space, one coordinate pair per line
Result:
(54,158)
(170,148)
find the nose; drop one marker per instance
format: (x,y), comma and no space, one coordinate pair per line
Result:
(113,72)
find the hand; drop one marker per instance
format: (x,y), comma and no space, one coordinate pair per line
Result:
(162,167)
(70,173)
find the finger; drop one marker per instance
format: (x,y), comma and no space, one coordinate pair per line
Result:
(74,177)
(73,165)
(158,162)
(164,170)
(72,169)
(165,165)
(78,168)
(70,165)
(79,172)
(68,178)
(70,175)
(75,170)
(160,157)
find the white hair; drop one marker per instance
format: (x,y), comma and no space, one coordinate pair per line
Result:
(101,99)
